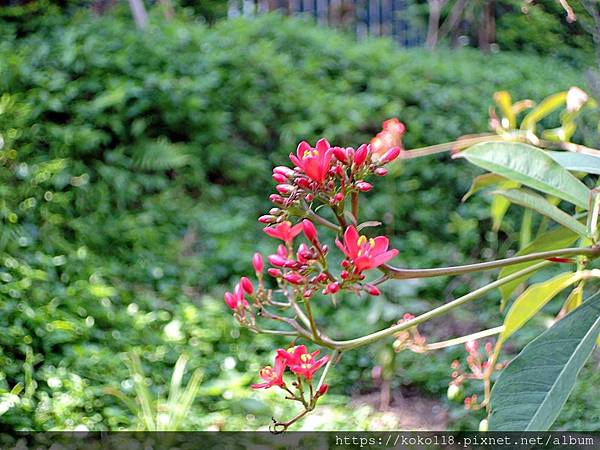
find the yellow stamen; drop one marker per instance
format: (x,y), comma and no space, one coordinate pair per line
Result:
(361,240)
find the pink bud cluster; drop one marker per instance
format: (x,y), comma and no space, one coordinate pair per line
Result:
(409,339)
(325,174)
(478,365)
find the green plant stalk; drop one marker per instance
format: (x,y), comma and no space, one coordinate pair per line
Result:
(459,144)
(439,311)
(467,338)
(313,325)
(334,356)
(405,274)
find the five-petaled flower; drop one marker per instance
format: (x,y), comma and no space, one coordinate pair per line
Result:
(301,362)
(363,253)
(314,162)
(272,376)
(284,231)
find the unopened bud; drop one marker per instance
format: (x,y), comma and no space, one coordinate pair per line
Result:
(371,290)
(294,278)
(279,178)
(483,425)
(257,263)
(277,199)
(267,219)
(285,189)
(337,198)
(322,389)
(454,392)
(230,300)
(283,170)
(472,346)
(332,288)
(361,155)
(310,231)
(247,285)
(278,261)
(363,186)
(275,273)
(340,154)
(381,171)
(390,155)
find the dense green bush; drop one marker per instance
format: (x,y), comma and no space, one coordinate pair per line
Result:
(141,163)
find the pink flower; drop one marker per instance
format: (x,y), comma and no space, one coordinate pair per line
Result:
(314,162)
(284,231)
(272,376)
(301,362)
(365,254)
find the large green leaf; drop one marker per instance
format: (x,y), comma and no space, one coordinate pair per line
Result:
(533,299)
(529,166)
(551,240)
(578,162)
(539,204)
(532,390)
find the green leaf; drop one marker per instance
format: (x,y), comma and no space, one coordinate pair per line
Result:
(532,390)
(577,162)
(551,240)
(529,166)
(539,204)
(533,299)
(545,108)
(500,205)
(481,182)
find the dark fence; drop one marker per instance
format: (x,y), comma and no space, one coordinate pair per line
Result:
(394,18)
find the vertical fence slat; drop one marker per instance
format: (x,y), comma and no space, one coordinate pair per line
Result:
(365,17)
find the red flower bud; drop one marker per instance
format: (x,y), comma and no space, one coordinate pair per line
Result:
(310,197)
(277,199)
(303,183)
(283,170)
(323,390)
(337,198)
(488,348)
(363,186)
(285,189)
(345,264)
(340,154)
(408,316)
(381,171)
(267,219)
(371,290)
(344,274)
(230,300)
(310,231)
(257,263)
(361,155)
(247,285)
(322,277)
(275,273)
(294,278)
(331,288)
(278,261)
(282,251)
(390,155)
(279,178)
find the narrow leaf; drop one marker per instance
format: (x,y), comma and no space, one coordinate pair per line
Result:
(532,390)
(539,204)
(577,162)
(545,108)
(533,299)
(481,182)
(504,102)
(529,166)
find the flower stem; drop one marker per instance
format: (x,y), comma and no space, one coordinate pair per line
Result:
(317,218)
(467,338)
(365,340)
(448,146)
(405,274)
(334,356)
(313,325)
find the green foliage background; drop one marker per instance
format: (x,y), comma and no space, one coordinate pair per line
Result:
(136,164)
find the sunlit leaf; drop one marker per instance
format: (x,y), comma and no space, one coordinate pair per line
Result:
(533,299)
(481,182)
(532,390)
(504,102)
(543,109)
(529,166)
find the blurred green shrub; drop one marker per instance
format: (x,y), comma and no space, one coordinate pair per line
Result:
(138,162)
